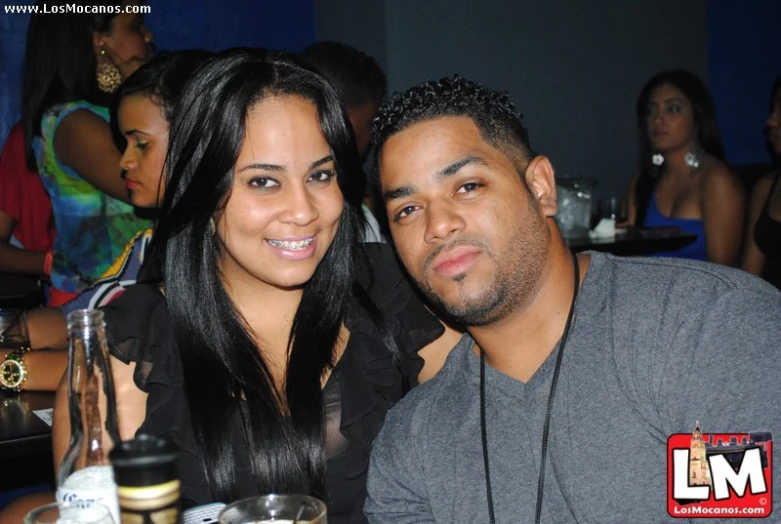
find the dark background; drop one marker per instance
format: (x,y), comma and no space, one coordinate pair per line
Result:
(573,67)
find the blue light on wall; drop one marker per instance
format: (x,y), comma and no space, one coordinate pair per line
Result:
(744,57)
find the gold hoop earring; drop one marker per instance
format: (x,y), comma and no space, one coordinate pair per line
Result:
(212,227)
(107,76)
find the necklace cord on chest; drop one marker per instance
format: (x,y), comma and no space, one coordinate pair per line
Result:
(549,409)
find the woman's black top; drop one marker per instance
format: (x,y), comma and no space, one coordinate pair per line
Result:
(362,387)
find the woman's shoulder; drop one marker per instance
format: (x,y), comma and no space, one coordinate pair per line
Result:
(77,110)
(718,176)
(138,329)
(380,273)
(390,290)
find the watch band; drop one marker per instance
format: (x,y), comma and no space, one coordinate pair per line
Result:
(13,372)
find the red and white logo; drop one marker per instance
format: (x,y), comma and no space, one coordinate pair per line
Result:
(719,474)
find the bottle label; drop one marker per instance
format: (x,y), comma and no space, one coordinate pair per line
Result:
(91,484)
(142,504)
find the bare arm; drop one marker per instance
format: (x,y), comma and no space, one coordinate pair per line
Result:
(631,205)
(435,354)
(83,142)
(723,214)
(13,259)
(47,329)
(44,368)
(753,258)
(131,409)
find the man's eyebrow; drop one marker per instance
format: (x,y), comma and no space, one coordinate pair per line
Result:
(400,192)
(452,169)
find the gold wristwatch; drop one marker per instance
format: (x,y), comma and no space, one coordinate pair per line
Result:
(13,372)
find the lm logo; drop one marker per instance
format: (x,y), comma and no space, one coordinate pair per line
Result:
(719,474)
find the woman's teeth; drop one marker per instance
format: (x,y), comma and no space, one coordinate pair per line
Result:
(292,246)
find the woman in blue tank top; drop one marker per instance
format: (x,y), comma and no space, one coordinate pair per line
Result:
(684,181)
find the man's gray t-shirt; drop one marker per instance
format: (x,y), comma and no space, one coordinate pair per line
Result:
(656,345)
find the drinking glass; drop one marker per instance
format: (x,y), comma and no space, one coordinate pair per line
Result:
(82,512)
(574,202)
(613,207)
(276,509)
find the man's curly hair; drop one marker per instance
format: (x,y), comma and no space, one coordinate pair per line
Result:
(492,112)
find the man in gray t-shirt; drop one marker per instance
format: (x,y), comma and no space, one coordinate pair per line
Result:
(611,355)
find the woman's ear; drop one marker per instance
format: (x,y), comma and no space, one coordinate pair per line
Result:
(98,46)
(541,181)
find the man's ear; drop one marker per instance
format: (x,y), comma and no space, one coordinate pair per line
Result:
(541,181)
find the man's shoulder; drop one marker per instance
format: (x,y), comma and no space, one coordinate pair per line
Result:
(437,397)
(685,280)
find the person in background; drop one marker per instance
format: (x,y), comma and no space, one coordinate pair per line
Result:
(25,211)
(304,336)
(361,84)
(141,113)
(684,181)
(762,245)
(73,62)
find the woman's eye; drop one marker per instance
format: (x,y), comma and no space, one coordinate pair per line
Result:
(322,176)
(469,187)
(263,182)
(141,145)
(674,108)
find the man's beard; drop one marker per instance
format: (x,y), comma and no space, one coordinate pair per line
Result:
(515,278)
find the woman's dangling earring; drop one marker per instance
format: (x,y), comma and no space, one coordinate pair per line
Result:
(107,75)
(657,159)
(212,227)
(693,159)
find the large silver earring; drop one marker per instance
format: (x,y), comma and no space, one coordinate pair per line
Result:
(212,227)
(657,159)
(108,76)
(693,160)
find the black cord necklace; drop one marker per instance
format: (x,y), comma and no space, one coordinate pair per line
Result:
(546,426)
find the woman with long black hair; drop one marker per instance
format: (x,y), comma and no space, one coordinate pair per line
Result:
(684,179)
(274,342)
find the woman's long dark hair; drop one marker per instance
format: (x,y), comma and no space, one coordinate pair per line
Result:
(708,137)
(59,65)
(225,374)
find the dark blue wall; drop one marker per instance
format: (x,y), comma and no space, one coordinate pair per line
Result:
(744,57)
(177,24)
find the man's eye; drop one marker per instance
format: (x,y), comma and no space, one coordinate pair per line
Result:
(469,187)
(405,211)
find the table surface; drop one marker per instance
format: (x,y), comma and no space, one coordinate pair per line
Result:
(25,440)
(22,432)
(635,242)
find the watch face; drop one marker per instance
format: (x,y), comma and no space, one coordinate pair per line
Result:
(11,374)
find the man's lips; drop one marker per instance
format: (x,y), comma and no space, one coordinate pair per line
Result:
(455,261)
